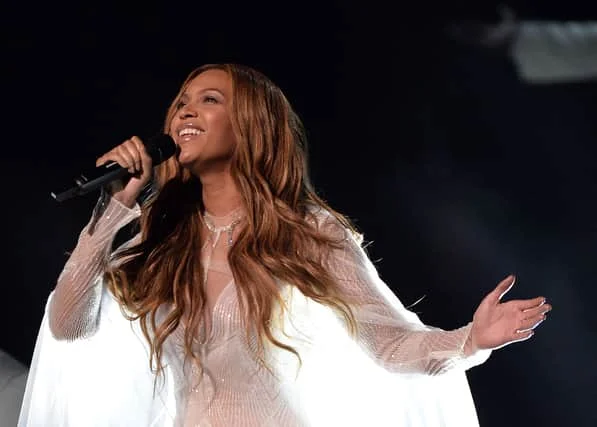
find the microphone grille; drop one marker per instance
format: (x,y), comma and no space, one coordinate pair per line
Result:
(160,148)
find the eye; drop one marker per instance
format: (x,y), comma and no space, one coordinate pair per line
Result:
(179,105)
(210,99)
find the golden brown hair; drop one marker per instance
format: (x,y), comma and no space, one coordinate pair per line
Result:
(279,241)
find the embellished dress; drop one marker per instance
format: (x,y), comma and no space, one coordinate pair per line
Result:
(91,365)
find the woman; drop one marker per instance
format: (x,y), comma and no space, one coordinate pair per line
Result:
(244,299)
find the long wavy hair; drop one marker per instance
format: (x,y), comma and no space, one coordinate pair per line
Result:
(278,241)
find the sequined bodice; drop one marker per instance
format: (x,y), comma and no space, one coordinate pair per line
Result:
(223,390)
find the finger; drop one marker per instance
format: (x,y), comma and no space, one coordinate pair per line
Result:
(535,311)
(519,336)
(531,323)
(125,158)
(503,287)
(144,159)
(528,304)
(120,155)
(111,156)
(131,152)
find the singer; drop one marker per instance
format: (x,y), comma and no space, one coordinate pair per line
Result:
(243,299)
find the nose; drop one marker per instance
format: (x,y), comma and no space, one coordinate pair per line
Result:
(186,112)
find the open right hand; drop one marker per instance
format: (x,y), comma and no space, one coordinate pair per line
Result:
(496,323)
(131,154)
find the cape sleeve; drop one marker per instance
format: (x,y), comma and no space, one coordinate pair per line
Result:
(75,306)
(90,365)
(101,380)
(395,372)
(393,335)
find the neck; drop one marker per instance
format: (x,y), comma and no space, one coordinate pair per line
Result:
(220,194)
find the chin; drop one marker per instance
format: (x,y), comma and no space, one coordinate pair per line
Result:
(185,159)
(189,163)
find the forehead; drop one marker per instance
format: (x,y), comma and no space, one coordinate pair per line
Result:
(210,79)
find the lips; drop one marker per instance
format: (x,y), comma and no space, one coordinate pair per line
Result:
(188,131)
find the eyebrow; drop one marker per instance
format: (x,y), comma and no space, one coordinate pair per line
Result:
(186,94)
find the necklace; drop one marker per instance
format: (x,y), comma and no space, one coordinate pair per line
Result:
(208,220)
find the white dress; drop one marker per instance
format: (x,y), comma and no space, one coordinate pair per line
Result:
(91,367)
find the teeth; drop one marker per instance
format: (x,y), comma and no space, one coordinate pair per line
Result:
(189,131)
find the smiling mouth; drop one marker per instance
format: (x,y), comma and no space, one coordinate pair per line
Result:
(187,133)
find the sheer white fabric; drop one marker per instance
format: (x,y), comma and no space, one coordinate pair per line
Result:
(91,366)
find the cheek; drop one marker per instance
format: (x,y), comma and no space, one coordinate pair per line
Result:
(225,132)
(230,133)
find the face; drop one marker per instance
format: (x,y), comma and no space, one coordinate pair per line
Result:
(201,126)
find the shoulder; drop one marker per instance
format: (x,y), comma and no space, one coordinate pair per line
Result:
(332,224)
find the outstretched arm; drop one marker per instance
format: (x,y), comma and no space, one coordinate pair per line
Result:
(395,336)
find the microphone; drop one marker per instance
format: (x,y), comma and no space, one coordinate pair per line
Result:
(159,148)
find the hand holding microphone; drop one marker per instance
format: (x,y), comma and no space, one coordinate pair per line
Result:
(132,156)
(127,169)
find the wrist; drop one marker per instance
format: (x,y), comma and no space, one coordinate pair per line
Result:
(126,200)
(470,346)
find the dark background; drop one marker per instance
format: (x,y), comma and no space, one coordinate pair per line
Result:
(459,172)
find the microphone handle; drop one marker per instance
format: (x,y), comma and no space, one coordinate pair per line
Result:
(92,181)
(159,148)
